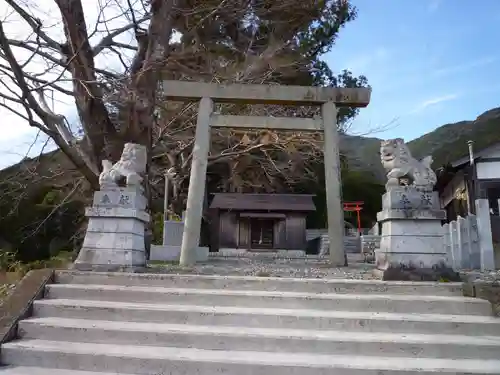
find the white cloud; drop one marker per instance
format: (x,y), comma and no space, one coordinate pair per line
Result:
(465,66)
(433,101)
(433,5)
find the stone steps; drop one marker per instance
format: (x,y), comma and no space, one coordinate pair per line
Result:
(29,370)
(273,299)
(160,360)
(90,323)
(262,283)
(358,321)
(262,339)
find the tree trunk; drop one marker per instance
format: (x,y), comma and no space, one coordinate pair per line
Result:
(99,130)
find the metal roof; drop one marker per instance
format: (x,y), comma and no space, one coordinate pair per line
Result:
(477,155)
(267,202)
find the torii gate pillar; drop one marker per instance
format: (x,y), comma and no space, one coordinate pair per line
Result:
(329,98)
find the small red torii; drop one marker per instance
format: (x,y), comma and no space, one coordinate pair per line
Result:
(355,206)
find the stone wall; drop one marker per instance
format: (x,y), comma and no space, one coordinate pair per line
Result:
(351,244)
(311,234)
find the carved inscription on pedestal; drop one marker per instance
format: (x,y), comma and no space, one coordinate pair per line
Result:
(105,199)
(124,200)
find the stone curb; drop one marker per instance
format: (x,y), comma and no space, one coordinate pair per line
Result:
(19,303)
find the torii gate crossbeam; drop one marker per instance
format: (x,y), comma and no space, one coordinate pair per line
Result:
(329,98)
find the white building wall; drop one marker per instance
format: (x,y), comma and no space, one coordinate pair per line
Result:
(488,170)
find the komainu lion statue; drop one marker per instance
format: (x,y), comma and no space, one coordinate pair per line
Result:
(131,165)
(398,162)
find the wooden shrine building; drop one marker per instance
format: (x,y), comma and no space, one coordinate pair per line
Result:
(259,222)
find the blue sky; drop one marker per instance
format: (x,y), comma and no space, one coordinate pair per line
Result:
(430,62)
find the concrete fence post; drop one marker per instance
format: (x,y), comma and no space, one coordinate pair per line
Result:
(455,251)
(485,237)
(463,242)
(475,250)
(446,243)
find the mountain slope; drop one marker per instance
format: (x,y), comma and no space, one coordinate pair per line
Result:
(446,144)
(363,154)
(449,142)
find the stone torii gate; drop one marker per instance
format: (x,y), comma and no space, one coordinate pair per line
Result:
(207,93)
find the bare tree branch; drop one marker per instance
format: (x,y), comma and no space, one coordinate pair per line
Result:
(107,41)
(29,102)
(35,24)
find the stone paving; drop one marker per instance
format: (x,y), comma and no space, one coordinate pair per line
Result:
(311,267)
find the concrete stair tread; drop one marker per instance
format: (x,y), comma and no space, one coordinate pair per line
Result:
(270,311)
(300,360)
(323,335)
(194,277)
(250,278)
(29,370)
(263,293)
(140,324)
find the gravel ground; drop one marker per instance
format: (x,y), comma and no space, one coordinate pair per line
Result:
(267,267)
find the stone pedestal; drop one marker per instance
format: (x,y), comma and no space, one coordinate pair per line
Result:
(115,234)
(412,242)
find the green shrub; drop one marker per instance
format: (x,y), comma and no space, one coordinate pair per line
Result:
(157,226)
(8,261)
(40,223)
